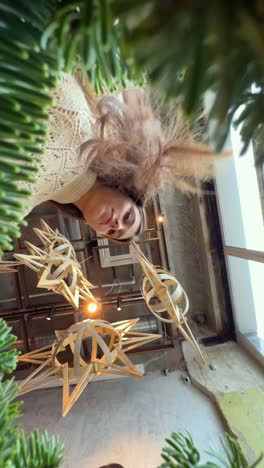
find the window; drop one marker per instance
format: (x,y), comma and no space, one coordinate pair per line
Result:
(115,256)
(239,196)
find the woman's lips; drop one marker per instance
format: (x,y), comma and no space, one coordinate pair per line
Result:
(108,220)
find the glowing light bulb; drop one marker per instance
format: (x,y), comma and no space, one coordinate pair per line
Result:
(92,307)
(119,308)
(50,313)
(161,218)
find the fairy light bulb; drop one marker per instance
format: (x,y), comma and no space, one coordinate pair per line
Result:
(161,218)
(50,313)
(118,307)
(92,307)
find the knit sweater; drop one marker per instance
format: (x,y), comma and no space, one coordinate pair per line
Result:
(63,175)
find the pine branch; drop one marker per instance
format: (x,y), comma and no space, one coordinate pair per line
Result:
(17,451)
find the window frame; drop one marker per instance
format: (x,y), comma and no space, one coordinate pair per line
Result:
(227,175)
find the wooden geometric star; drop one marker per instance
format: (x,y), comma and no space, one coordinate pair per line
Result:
(56,266)
(8,266)
(107,347)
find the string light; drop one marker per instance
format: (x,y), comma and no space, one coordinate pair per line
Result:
(118,307)
(161,218)
(92,307)
(50,313)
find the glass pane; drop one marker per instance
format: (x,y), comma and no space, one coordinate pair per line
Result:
(8,292)
(239,197)
(42,331)
(258,146)
(246,278)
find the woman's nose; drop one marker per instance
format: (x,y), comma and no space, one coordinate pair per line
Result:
(116,224)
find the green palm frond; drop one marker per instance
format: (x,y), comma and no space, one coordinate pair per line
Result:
(182,453)
(86,34)
(190,47)
(234,457)
(38,451)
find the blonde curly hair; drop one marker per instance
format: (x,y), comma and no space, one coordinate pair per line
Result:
(138,150)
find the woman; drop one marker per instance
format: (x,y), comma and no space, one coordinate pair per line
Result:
(106,158)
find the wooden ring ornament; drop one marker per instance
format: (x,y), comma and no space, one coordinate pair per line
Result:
(156,285)
(178,297)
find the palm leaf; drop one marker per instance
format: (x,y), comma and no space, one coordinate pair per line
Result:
(218,45)
(182,453)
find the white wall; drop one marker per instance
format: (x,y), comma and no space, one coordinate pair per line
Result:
(125,421)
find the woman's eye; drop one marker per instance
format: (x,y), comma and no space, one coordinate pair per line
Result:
(125,218)
(111,232)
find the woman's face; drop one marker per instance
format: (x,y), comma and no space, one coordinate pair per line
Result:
(110,212)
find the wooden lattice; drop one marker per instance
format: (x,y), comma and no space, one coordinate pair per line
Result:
(109,345)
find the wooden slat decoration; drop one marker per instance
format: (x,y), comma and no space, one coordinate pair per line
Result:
(8,266)
(57,267)
(163,293)
(121,340)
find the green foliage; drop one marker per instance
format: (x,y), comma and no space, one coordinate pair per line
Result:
(184,47)
(190,47)
(182,450)
(17,451)
(8,359)
(85,34)
(182,453)
(38,451)
(38,40)
(26,74)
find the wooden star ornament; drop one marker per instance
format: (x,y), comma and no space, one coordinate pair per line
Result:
(107,347)
(56,266)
